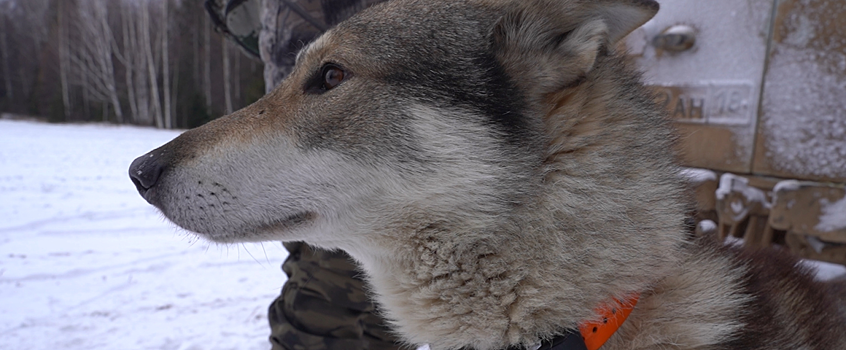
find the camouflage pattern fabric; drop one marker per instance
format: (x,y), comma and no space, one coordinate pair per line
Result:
(285,31)
(324,305)
(238,21)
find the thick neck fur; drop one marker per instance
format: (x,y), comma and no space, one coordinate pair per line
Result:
(602,224)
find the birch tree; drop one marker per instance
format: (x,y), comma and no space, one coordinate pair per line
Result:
(227,76)
(148,50)
(128,61)
(23,36)
(165,37)
(71,59)
(64,62)
(93,54)
(207,63)
(4,49)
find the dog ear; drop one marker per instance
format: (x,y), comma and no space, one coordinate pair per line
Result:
(550,47)
(623,17)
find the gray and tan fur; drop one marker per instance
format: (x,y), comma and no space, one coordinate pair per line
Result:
(498,171)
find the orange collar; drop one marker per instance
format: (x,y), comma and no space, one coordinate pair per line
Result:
(593,334)
(596,333)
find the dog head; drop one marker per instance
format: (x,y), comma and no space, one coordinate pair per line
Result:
(423,135)
(411,108)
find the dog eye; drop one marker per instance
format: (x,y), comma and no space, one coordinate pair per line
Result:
(327,78)
(333,76)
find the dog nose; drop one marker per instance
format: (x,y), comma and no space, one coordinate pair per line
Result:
(145,172)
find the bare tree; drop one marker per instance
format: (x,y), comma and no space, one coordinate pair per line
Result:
(78,59)
(27,21)
(227,80)
(92,57)
(127,59)
(165,37)
(64,62)
(7,74)
(196,56)
(148,50)
(135,62)
(207,63)
(237,77)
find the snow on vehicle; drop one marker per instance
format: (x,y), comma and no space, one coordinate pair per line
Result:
(758,92)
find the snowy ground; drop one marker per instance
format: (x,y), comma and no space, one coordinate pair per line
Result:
(85,263)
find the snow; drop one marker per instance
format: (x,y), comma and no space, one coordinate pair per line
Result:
(707,226)
(816,244)
(798,133)
(833,216)
(786,185)
(730,183)
(85,263)
(826,271)
(698,176)
(728,57)
(733,183)
(803,115)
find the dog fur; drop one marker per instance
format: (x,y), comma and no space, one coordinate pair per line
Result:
(498,172)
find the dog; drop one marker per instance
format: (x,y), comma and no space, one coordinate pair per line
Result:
(502,177)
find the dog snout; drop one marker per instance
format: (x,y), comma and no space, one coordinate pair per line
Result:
(145,172)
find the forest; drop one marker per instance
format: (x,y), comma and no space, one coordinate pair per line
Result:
(144,62)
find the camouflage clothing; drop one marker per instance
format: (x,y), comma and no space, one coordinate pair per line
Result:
(238,21)
(285,30)
(324,305)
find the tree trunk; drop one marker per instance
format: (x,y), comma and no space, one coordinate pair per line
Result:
(139,59)
(174,95)
(151,64)
(237,78)
(129,60)
(93,55)
(63,58)
(106,55)
(142,92)
(196,55)
(168,123)
(86,109)
(207,67)
(227,82)
(7,75)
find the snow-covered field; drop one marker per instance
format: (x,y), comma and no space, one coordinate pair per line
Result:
(85,263)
